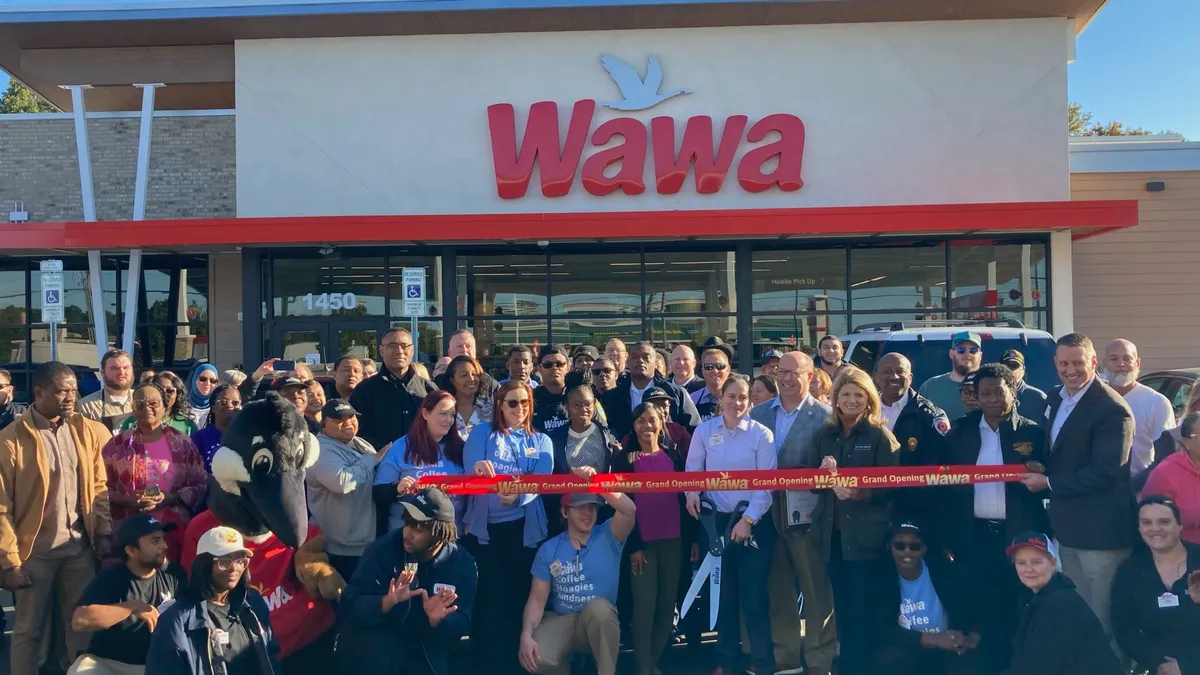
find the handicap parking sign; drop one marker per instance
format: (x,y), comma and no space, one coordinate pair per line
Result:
(53,298)
(412,291)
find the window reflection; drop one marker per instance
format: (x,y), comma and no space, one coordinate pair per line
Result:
(596,284)
(1001,275)
(671,331)
(800,281)
(680,283)
(329,287)
(13,316)
(786,333)
(509,286)
(900,277)
(570,333)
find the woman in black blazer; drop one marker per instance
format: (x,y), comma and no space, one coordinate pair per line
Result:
(1156,594)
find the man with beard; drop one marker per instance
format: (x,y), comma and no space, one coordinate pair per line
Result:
(945,390)
(411,598)
(122,604)
(631,390)
(831,352)
(1152,412)
(918,426)
(112,405)
(583,356)
(9,410)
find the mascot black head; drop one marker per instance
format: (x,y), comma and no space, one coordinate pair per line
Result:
(259,471)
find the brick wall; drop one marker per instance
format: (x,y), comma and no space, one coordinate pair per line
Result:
(191,167)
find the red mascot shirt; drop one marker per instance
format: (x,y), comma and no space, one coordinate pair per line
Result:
(296,617)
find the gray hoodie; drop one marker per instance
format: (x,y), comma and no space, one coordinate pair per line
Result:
(339,494)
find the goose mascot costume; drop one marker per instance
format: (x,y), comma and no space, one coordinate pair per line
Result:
(257,488)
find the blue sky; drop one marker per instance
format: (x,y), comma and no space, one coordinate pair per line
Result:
(1138,63)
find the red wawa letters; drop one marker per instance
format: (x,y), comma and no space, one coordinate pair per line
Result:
(514,166)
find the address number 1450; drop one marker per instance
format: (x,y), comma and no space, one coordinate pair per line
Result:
(334,301)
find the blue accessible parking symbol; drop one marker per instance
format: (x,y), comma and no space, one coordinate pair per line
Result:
(52,297)
(412,291)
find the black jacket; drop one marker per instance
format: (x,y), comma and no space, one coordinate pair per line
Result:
(1058,634)
(402,641)
(10,412)
(617,406)
(623,462)
(1021,441)
(1147,631)
(180,643)
(920,430)
(864,522)
(387,405)
(952,589)
(549,410)
(1091,500)
(1031,402)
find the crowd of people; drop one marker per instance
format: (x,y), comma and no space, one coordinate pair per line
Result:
(1089,564)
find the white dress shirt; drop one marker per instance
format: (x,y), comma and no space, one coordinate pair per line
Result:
(891,413)
(1069,401)
(989,497)
(635,394)
(749,445)
(1152,415)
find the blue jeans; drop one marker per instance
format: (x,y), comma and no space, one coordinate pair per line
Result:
(744,573)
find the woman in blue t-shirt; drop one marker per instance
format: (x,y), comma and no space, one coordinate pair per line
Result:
(503,531)
(432,447)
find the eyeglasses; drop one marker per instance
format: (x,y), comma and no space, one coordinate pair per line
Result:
(554,364)
(603,371)
(231,403)
(715,366)
(226,564)
(966,350)
(782,373)
(514,403)
(582,405)
(143,405)
(6,385)
(902,546)
(398,346)
(207,380)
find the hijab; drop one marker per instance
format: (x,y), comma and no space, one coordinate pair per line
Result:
(197,400)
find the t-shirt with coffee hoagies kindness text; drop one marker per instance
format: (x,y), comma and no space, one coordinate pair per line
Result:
(576,577)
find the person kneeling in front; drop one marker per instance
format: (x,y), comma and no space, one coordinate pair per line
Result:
(411,597)
(220,625)
(578,571)
(121,606)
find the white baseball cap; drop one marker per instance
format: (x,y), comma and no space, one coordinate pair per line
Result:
(221,541)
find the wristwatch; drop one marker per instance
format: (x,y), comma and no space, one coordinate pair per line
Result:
(749,521)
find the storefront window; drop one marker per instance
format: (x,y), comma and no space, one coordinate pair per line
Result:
(433,284)
(428,338)
(1034,319)
(800,281)
(898,278)
(684,283)
(13,316)
(569,333)
(329,287)
(786,333)
(596,284)
(508,286)
(494,337)
(997,275)
(673,330)
(77,296)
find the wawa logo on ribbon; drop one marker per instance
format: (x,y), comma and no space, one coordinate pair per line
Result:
(718,481)
(557,164)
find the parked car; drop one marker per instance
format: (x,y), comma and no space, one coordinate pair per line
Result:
(927,346)
(1176,385)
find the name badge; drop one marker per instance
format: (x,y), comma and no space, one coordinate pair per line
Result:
(221,637)
(1168,600)
(556,568)
(531,451)
(716,439)
(438,587)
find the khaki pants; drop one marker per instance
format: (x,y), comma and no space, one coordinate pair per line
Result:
(1092,573)
(58,584)
(654,592)
(594,631)
(94,665)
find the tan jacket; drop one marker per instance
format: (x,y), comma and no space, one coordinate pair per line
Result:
(23,478)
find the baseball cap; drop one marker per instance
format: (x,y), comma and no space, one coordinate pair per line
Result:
(906,525)
(585,350)
(221,541)
(581,499)
(1013,356)
(718,344)
(429,504)
(772,354)
(969,381)
(1031,539)
(966,336)
(338,409)
(138,526)
(286,382)
(655,394)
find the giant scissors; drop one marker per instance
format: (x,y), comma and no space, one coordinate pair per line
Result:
(710,569)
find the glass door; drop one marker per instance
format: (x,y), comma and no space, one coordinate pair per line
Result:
(320,343)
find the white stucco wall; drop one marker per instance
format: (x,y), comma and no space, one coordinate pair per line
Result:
(915,113)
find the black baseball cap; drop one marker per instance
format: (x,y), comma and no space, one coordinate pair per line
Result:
(655,394)
(585,350)
(1032,539)
(429,504)
(136,527)
(1013,356)
(337,409)
(906,525)
(969,380)
(287,382)
(718,344)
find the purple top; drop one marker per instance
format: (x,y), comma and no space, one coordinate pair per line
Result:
(658,512)
(207,441)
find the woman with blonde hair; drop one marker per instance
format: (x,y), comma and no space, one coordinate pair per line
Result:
(850,522)
(821,386)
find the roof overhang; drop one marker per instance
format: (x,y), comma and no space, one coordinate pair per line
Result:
(1083,219)
(188,44)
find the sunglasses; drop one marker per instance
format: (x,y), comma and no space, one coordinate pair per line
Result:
(226,564)
(209,380)
(902,546)
(170,390)
(515,403)
(966,350)
(715,366)
(603,371)
(554,364)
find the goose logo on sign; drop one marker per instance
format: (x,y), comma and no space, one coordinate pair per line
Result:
(640,93)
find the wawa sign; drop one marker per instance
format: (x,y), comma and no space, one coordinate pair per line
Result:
(558,164)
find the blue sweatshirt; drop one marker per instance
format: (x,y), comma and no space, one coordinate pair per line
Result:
(515,453)
(394,467)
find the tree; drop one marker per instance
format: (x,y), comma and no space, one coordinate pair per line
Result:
(21,99)
(1077,119)
(1079,122)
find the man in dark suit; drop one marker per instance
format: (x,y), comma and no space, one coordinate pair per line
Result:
(794,418)
(620,401)
(1089,432)
(980,520)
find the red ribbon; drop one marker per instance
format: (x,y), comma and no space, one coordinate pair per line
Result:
(717,481)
